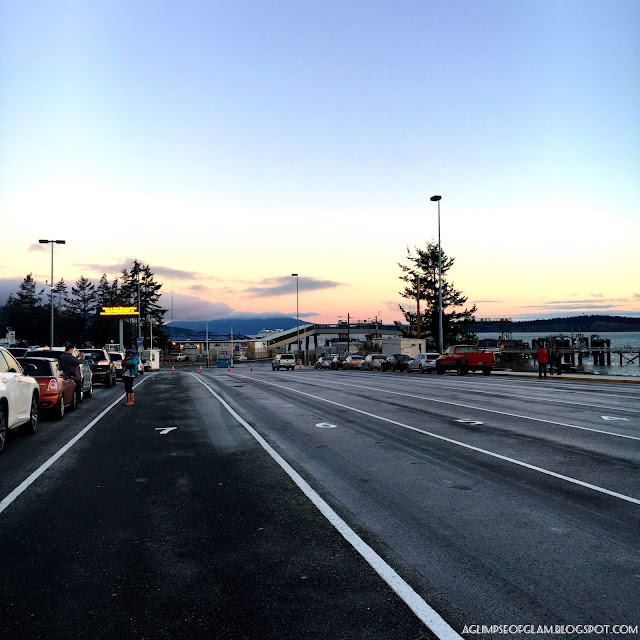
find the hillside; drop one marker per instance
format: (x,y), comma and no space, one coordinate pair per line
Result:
(247,326)
(585,324)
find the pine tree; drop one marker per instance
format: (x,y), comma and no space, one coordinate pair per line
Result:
(26,314)
(457,326)
(82,307)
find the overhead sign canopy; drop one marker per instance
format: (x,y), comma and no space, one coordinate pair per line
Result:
(120,311)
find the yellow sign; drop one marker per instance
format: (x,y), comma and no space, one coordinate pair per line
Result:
(119,311)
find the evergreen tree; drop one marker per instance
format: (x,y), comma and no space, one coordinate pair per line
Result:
(26,314)
(457,326)
(82,307)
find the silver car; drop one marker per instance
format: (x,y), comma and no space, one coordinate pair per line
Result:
(424,363)
(373,362)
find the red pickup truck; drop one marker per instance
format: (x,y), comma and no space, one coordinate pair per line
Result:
(464,358)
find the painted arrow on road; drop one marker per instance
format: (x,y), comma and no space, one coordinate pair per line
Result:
(613,418)
(164,430)
(471,422)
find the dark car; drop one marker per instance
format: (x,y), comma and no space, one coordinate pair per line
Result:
(85,369)
(57,392)
(102,367)
(337,362)
(18,352)
(396,362)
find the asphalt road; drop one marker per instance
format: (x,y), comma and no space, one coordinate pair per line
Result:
(324,504)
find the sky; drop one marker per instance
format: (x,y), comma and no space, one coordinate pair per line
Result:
(231,143)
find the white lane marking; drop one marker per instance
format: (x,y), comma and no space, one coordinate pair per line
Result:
(614,418)
(420,608)
(469,406)
(326,425)
(25,484)
(526,465)
(471,422)
(164,430)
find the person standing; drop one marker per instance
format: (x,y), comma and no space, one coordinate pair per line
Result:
(130,372)
(543,357)
(558,362)
(70,366)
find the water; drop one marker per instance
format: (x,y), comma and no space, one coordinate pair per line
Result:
(619,339)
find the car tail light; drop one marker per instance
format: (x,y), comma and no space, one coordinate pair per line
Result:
(103,362)
(53,384)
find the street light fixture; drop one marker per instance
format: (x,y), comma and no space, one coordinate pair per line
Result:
(297,311)
(51,242)
(437,199)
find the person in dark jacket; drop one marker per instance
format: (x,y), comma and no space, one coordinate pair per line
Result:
(130,372)
(70,366)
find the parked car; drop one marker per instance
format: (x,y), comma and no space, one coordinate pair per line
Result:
(353,362)
(179,356)
(17,352)
(373,362)
(57,392)
(85,368)
(323,363)
(283,361)
(337,362)
(424,363)
(117,357)
(239,357)
(19,398)
(396,362)
(103,370)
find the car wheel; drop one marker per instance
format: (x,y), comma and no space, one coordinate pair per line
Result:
(115,380)
(89,392)
(273,368)
(461,369)
(30,427)
(74,402)
(3,426)
(108,382)
(486,371)
(59,408)
(439,369)
(421,370)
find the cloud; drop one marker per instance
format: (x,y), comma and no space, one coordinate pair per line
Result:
(127,263)
(184,307)
(36,246)
(286,285)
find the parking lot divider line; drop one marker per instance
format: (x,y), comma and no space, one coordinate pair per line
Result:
(27,482)
(485,409)
(526,465)
(416,603)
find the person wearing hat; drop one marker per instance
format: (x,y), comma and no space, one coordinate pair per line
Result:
(130,372)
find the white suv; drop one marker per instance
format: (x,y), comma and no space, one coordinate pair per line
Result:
(19,398)
(284,361)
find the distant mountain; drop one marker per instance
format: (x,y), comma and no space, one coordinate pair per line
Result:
(247,326)
(585,324)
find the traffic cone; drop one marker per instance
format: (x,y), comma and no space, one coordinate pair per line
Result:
(228,369)
(173,370)
(250,368)
(200,368)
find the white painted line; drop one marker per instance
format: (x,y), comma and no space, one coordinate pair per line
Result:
(614,418)
(526,465)
(471,422)
(25,484)
(469,406)
(326,425)
(420,608)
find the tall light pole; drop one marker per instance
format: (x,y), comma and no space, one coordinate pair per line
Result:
(51,242)
(297,310)
(437,199)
